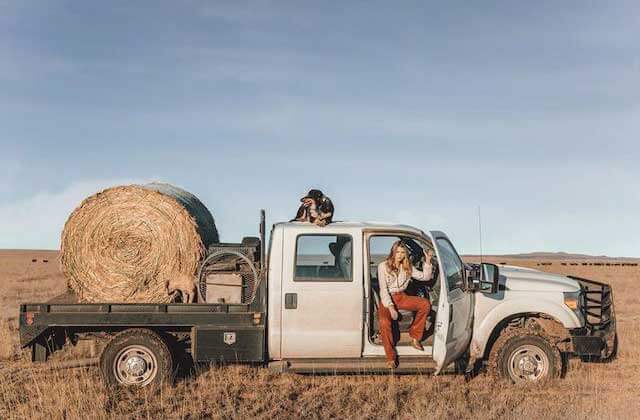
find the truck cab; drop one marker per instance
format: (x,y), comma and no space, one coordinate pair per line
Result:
(324,293)
(312,306)
(323,296)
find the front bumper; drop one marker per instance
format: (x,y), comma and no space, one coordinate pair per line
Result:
(598,338)
(601,344)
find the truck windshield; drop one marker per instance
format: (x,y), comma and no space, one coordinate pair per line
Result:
(451,264)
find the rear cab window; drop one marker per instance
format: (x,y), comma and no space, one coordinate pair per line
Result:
(324,258)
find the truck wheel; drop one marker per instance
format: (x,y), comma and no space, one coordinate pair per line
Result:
(138,358)
(521,357)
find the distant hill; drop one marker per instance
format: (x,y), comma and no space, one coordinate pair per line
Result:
(559,256)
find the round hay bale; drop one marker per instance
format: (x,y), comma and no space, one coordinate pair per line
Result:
(123,243)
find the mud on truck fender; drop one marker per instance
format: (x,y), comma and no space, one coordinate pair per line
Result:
(528,347)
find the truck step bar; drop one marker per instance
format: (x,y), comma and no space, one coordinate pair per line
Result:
(366,365)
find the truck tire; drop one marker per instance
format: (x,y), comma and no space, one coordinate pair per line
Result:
(136,358)
(521,355)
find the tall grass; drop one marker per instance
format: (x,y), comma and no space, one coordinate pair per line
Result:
(8,340)
(603,391)
(241,392)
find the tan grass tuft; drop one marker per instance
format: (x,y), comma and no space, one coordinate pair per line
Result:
(7,341)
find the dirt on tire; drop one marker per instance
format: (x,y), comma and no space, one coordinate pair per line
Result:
(512,337)
(144,337)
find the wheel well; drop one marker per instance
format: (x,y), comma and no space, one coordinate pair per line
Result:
(548,323)
(174,337)
(150,346)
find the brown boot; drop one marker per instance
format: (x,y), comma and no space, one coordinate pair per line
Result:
(392,364)
(416,345)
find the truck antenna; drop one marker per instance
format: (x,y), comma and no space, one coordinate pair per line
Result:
(480,231)
(262,239)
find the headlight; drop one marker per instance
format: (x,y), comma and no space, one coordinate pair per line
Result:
(572,300)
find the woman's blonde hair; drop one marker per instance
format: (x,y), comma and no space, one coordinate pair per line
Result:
(391,259)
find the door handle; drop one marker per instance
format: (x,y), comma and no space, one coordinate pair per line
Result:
(290,301)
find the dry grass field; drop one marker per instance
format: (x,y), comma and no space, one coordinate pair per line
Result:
(589,390)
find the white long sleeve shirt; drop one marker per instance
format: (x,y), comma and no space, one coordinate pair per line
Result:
(396,283)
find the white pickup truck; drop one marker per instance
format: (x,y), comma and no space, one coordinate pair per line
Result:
(315,310)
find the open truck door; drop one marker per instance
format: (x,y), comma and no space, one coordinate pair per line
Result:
(454,319)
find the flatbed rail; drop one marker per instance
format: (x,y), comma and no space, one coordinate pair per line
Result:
(36,318)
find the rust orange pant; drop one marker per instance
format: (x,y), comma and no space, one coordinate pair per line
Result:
(408,303)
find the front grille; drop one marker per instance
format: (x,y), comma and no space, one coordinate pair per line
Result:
(597,304)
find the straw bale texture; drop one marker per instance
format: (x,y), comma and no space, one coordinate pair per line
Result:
(122,244)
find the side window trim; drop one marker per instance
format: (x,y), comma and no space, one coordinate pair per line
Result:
(444,272)
(323,279)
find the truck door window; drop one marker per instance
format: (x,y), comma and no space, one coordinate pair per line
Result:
(451,264)
(323,258)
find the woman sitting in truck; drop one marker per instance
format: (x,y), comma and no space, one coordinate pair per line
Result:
(394,275)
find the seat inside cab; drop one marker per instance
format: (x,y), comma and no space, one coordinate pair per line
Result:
(327,257)
(379,248)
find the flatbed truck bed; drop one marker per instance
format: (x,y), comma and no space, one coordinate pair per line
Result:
(46,326)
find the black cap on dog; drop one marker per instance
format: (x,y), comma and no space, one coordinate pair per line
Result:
(313,194)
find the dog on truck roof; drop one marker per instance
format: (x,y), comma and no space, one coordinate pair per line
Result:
(316,208)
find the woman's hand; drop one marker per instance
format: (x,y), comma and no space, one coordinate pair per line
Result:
(428,254)
(394,313)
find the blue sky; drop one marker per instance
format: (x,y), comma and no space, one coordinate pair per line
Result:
(413,112)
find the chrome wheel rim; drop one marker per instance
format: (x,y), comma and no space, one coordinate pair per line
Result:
(528,363)
(135,365)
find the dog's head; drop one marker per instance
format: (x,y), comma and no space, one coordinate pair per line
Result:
(315,195)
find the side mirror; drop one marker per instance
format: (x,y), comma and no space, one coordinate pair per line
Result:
(489,277)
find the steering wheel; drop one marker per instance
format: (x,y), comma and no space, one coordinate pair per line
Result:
(416,254)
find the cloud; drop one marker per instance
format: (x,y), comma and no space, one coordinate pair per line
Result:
(37,221)
(9,170)
(240,12)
